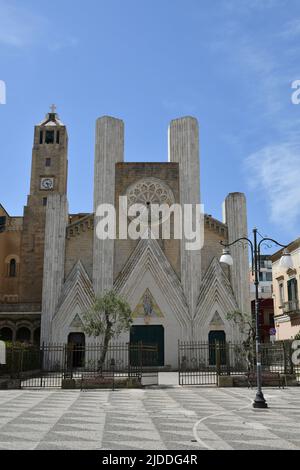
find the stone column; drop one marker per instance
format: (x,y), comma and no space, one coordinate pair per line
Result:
(184,149)
(109,150)
(235,216)
(54,260)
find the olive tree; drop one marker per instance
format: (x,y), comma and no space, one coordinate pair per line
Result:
(245,323)
(109,316)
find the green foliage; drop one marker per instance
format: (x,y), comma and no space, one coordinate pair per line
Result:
(244,321)
(246,326)
(297,336)
(110,315)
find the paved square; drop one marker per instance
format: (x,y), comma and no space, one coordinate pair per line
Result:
(155,418)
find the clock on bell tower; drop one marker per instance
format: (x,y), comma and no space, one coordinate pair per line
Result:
(49,168)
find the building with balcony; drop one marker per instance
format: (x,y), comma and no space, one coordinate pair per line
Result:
(286,293)
(266,305)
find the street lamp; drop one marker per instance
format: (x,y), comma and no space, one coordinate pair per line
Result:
(286,263)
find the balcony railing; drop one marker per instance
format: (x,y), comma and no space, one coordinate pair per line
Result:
(291,307)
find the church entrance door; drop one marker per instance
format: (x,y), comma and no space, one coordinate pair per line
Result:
(216,338)
(150,335)
(76,343)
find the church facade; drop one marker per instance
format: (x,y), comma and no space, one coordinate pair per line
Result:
(53,263)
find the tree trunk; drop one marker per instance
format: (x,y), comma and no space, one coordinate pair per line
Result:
(107,337)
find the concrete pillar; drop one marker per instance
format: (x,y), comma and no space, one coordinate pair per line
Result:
(109,150)
(235,217)
(54,260)
(184,149)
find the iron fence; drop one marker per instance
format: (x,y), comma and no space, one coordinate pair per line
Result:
(49,365)
(200,363)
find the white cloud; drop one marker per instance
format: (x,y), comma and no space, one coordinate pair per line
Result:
(291,30)
(275,172)
(20,27)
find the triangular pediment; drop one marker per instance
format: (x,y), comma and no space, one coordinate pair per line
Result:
(77,296)
(215,290)
(217,320)
(76,322)
(148,258)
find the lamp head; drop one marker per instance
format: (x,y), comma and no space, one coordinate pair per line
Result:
(226,257)
(286,261)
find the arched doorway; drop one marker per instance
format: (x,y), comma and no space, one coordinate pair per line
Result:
(215,338)
(23,335)
(150,335)
(76,343)
(6,334)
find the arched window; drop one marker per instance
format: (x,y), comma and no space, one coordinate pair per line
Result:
(6,334)
(23,335)
(12,268)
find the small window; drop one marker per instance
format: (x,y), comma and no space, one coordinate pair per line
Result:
(41,137)
(2,223)
(44,201)
(281,293)
(292,290)
(57,137)
(268,276)
(48,162)
(49,137)
(12,268)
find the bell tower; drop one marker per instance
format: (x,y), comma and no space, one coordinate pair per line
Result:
(49,169)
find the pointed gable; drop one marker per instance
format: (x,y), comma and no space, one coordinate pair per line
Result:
(148,258)
(215,296)
(77,296)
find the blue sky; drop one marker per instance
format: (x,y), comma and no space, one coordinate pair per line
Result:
(230,63)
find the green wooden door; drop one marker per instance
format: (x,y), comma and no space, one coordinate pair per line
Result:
(214,338)
(150,335)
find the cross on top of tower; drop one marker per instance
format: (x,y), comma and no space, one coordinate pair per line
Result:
(53,109)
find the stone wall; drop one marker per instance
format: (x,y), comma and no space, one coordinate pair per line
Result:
(79,246)
(129,173)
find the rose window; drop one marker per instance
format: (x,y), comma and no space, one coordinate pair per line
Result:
(147,192)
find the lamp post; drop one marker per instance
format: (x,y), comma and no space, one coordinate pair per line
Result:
(285,262)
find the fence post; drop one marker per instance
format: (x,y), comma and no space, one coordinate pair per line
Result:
(128,360)
(140,353)
(218,362)
(284,358)
(12,365)
(227,352)
(179,365)
(290,357)
(42,355)
(66,359)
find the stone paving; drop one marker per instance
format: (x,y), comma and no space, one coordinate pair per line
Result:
(168,418)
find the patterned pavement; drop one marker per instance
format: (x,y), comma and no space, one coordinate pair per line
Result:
(169,418)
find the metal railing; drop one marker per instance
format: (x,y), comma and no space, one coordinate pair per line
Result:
(200,363)
(50,364)
(291,307)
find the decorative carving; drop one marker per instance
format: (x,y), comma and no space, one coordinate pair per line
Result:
(149,191)
(147,307)
(146,192)
(217,320)
(77,322)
